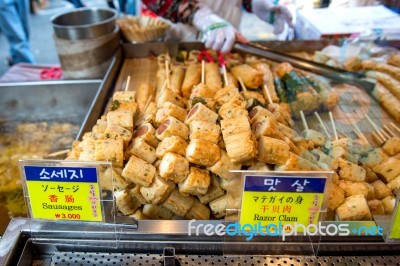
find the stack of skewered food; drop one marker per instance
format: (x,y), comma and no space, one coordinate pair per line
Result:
(172,158)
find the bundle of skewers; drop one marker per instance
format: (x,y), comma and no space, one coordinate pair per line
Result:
(172,157)
(142,29)
(366,177)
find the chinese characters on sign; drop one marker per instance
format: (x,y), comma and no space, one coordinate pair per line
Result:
(282,199)
(67,193)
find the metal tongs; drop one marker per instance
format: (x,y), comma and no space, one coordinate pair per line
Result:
(332,73)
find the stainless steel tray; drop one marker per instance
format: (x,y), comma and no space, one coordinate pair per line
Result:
(44,101)
(167,243)
(53,101)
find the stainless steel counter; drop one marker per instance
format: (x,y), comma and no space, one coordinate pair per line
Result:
(39,243)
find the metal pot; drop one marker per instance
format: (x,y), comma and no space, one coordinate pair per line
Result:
(84,23)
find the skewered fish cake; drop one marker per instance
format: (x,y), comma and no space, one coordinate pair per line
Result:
(350,171)
(174,167)
(376,207)
(178,203)
(213,77)
(139,171)
(172,127)
(202,152)
(174,144)
(135,193)
(158,191)
(272,151)
(335,197)
(381,190)
(373,65)
(170,109)
(192,78)
(223,166)
(205,130)
(117,132)
(354,208)
(147,133)
(109,150)
(351,188)
(125,203)
(218,206)
(394,60)
(201,112)
(198,211)
(241,147)
(233,126)
(196,182)
(251,77)
(388,204)
(142,150)
(121,118)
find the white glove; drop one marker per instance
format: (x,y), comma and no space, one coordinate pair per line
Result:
(218,34)
(277,15)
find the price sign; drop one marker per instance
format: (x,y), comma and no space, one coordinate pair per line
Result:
(395,229)
(63,193)
(282,200)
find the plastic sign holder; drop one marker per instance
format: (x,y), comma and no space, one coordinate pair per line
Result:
(278,207)
(71,196)
(394,232)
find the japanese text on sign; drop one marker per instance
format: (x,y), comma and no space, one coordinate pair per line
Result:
(66,193)
(282,199)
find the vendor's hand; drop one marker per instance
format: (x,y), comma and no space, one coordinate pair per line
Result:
(277,15)
(219,34)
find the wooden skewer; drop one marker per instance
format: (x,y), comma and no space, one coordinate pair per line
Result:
(202,71)
(381,136)
(128,80)
(242,84)
(225,75)
(343,134)
(167,73)
(375,127)
(387,136)
(333,126)
(322,125)
(389,130)
(377,137)
(163,87)
(395,127)
(54,154)
(268,94)
(360,134)
(303,118)
(147,103)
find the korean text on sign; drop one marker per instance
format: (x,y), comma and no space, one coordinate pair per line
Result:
(66,193)
(282,200)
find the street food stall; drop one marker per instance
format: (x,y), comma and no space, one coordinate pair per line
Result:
(204,158)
